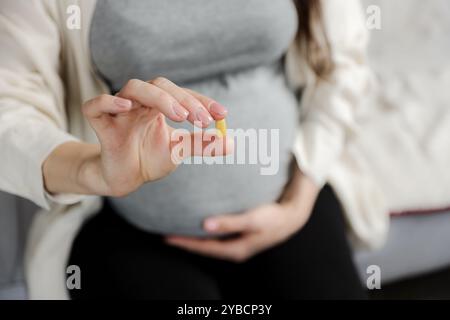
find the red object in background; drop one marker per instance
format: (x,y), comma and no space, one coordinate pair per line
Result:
(420,212)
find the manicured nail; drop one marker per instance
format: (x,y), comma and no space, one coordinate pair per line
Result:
(218,109)
(123,103)
(204,117)
(211,225)
(180,111)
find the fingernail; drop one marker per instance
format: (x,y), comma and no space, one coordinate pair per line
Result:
(218,109)
(204,117)
(123,103)
(211,225)
(180,111)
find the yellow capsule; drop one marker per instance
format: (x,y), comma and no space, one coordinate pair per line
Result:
(221,126)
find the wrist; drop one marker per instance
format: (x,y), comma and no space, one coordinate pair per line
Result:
(299,199)
(74,168)
(301,190)
(88,173)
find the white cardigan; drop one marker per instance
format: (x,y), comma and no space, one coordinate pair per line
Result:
(46,75)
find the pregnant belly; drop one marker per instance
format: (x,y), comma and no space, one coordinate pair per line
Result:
(179,203)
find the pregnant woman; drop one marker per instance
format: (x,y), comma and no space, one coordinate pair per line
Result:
(192,231)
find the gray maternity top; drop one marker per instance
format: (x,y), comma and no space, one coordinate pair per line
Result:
(228,50)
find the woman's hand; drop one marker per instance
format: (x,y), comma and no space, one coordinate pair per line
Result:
(135,141)
(258,229)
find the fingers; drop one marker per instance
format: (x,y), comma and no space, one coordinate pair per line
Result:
(178,104)
(106,104)
(226,224)
(152,96)
(217,111)
(197,111)
(236,250)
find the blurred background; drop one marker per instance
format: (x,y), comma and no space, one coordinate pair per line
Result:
(409,54)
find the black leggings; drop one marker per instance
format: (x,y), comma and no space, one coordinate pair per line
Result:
(118,260)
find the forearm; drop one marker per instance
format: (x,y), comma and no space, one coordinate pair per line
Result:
(300,189)
(300,197)
(74,167)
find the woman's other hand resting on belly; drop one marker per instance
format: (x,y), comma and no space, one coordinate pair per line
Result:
(257,229)
(135,140)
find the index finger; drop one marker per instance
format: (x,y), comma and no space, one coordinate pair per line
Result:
(217,111)
(149,95)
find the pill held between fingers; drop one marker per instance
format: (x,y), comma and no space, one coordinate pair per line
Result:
(221,126)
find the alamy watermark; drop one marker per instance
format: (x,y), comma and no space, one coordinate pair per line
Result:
(73,21)
(73,281)
(373,19)
(373,281)
(250,147)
